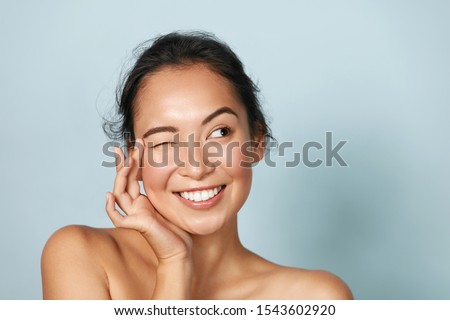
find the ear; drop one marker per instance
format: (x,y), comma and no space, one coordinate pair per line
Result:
(259,148)
(260,140)
(253,151)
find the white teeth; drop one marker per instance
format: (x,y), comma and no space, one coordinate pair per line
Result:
(202,195)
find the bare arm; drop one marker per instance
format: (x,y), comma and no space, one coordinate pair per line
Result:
(171,245)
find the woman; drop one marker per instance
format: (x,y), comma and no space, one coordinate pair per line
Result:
(195,129)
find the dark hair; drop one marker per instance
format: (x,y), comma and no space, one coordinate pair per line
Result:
(183,49)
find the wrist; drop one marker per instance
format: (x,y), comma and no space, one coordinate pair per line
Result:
(173,280)
(180,265)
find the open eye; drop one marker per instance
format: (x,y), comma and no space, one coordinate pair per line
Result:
(221,132)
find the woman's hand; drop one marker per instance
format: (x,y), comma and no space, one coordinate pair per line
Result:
(169,242)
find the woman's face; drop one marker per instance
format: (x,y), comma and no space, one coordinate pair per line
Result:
(194,130)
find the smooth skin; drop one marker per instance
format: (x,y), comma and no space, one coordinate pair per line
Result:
(162,248)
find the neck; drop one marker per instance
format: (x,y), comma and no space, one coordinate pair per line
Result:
(216,257)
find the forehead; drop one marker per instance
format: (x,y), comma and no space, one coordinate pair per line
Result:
(184,94)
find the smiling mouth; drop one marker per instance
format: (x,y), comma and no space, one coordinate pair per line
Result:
(201,195)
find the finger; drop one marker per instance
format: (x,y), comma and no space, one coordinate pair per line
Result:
(133,188)
(120,158)
(120,188)
(113,214)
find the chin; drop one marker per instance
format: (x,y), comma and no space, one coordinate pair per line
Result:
(203,231)
(203,226)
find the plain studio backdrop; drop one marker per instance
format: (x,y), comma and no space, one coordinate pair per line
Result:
(374,73)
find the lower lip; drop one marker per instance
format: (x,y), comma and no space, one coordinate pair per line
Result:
(202,204)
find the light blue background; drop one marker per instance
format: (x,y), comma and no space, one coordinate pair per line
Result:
(375,73)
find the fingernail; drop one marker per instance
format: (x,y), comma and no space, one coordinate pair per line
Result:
(107,198)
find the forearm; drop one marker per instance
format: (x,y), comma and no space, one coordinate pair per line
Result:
(173,281)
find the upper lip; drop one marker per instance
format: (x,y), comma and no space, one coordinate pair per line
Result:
(200,188)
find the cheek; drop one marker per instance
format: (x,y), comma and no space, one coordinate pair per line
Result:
(242,180)
(237,165)
(157,168)
(154,179)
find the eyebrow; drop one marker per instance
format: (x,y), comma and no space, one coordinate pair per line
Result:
(209,118)
(217,113)
(158,130)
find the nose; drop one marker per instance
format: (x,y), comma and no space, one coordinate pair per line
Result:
(194,164)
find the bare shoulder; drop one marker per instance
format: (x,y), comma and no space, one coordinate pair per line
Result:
(70,267)
(78,262)
(74,241)
(274,281)
(313,284)
(91,241)
(75,236)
